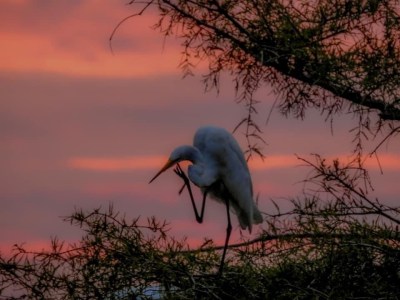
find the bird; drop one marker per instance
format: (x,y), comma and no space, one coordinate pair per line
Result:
(219,168)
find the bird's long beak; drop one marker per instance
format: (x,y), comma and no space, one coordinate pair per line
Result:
(169,164)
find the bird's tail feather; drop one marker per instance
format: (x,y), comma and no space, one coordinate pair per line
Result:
(257,217)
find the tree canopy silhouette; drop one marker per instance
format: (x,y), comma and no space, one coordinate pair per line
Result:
(335,56)
(335,242)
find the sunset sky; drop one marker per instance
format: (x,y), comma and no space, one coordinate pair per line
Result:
(81,127)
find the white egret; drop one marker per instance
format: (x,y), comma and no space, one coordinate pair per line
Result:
(220,170)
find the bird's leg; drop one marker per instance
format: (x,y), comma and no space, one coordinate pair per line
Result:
(228,234)
(203,205)
(199,217)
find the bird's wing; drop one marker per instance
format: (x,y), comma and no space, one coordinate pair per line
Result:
(222,151)
(222,154)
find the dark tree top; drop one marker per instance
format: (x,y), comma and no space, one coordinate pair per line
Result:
(313,53)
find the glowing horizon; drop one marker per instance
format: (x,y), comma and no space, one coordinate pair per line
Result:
(146,162)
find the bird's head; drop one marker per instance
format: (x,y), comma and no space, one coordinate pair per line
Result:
(179,154)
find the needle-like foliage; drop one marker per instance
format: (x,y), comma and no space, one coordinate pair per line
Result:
(334,243)
(333,55)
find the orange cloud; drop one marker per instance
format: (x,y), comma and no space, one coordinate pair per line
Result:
(76,44)
(117,164)
(155,162)
(35,54)
(37,245)
(273,162)
(387,162)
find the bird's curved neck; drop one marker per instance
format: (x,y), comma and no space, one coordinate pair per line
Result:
(187,152)
(195,156)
